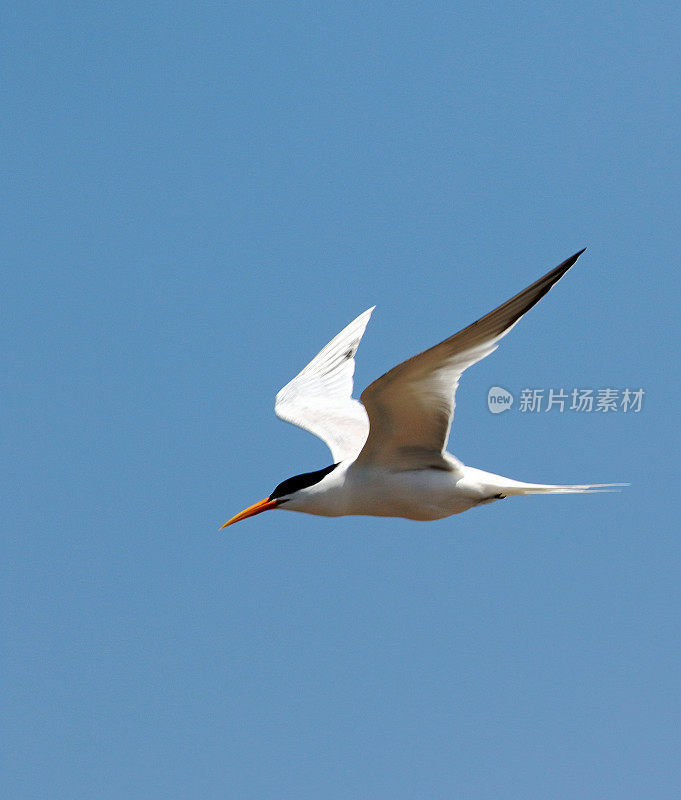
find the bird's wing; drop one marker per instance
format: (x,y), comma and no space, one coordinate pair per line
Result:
(319,399)
(411,407)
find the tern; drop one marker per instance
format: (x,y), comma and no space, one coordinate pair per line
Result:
(389,451)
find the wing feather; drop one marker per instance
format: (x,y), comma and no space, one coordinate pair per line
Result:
(411,407)
(319,399)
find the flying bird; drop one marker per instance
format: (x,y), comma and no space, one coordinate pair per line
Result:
(389,451)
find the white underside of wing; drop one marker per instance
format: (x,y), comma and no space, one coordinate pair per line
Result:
(319,399)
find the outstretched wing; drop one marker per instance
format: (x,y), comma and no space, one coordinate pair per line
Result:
(319,399)
(411,407)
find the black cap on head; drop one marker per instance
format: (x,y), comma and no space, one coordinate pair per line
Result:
(291,485)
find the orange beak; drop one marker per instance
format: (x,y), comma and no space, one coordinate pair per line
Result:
(263,505)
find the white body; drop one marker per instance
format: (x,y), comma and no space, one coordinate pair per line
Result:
(425,494)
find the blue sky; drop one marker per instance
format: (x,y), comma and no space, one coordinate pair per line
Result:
(199,196)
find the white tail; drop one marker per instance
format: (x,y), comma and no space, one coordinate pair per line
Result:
(517,488)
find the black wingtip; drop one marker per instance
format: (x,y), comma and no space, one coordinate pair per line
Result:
(561,269)
(570,261)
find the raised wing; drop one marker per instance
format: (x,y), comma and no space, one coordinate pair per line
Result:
(411,407)
(319,399)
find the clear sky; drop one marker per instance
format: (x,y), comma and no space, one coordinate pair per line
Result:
(198,197)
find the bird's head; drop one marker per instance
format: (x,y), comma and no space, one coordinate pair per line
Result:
(287,490)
